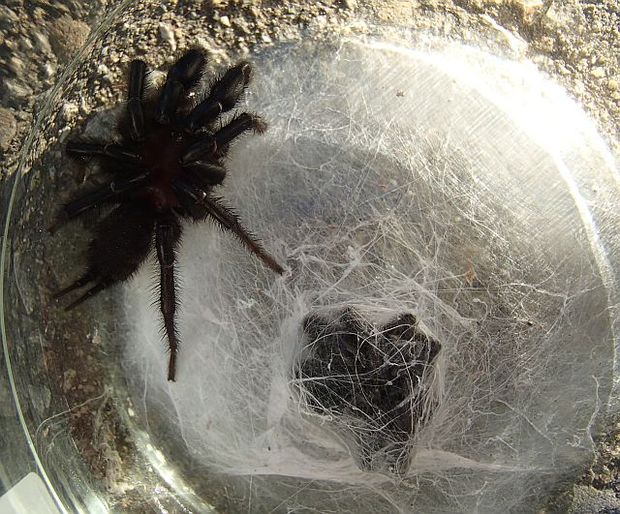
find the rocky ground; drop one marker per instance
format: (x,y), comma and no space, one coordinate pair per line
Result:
(575,41)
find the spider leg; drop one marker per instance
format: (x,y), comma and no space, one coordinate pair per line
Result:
(111,191)
(111,150)
(229,220)
(88,294)
(168,101)
(205,173)
(137,70)
(352,320)
(80,282)
(167,233)
(190,197)
(199,204)
(204,147)
(238,126)
(182,76)
(210,145)
(224,95)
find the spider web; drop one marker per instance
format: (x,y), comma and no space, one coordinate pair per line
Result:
(389,183)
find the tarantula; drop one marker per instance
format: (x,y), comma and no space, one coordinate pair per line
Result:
(165,169)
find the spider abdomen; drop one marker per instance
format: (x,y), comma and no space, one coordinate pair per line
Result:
(122,242)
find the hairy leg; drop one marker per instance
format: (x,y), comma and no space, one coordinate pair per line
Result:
(110,192)
(224,95)
(137,70)
(111,150)
(167,234)
(199,204)
(237,126)
(229,220)
(204,173)
(215,146)
(183,75)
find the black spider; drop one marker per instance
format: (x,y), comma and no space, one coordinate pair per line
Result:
(166,168)
(370,380)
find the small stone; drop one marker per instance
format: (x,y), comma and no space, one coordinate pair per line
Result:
(8,128)
(202,43)
(68,111)
(69,378)
(166,33)
(598,72)
(225,20)
(11,44)
(38,14)
(17,90)
(579,88)
(7,17)
(547,44)
(612,85)
(16,65)
(24,116)
(67,36)
(243,26)
(49,71)
(266,38)
(26,44)
(106,74)
(42,43)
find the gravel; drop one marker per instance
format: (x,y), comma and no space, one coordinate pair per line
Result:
(67,36)
(8,128)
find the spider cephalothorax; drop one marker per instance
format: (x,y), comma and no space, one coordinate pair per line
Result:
(165,169)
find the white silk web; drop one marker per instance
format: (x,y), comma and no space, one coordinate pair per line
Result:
(431,183)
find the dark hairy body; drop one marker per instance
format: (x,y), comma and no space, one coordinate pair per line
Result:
(165,170)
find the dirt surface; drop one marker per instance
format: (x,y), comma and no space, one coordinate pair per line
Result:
(577,42)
